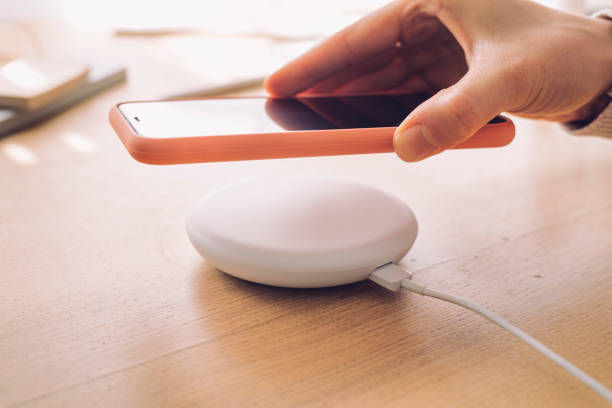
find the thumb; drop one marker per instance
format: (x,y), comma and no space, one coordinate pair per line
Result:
(448,118)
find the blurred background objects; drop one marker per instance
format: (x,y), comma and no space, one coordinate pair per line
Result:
(208,47)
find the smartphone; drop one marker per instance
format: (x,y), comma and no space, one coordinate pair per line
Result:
(251,128)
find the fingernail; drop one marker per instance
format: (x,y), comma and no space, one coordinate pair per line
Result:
(411,145)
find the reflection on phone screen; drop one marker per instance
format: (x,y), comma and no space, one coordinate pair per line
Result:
(344,112)
(232,116)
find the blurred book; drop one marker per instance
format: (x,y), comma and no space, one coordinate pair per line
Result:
(98,79)
(30,83)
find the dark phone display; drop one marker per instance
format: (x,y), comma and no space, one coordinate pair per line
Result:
(228,116)
(347,112)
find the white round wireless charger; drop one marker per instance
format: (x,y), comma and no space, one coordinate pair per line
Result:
(301,231)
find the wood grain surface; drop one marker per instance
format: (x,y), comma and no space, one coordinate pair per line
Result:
(103,301)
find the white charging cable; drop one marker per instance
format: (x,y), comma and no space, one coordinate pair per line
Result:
(394,277)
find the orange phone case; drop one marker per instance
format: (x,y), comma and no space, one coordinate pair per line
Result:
(279,145)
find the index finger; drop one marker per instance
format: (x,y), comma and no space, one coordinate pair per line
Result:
(364,39)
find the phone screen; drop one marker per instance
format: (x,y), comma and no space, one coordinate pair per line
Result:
(231,116)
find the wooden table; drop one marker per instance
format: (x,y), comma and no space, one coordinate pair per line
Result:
(103,301)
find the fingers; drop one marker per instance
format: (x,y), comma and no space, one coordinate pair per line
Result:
(388,77)
(356,43)
(357,71)
(387,70)
(449,117)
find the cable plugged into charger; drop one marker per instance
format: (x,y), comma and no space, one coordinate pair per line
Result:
(393,277)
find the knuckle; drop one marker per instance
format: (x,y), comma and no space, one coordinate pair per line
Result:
(462,110)
(460,117)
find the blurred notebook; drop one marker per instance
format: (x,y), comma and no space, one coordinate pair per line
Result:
(98,79)
(30,83)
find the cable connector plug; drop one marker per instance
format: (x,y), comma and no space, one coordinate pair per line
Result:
(390,276)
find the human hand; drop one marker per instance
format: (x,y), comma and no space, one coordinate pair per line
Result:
(479,58)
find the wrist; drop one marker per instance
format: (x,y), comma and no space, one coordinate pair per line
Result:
(604,22)
(603,52)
